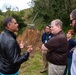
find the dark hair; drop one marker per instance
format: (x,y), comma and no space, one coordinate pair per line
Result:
(73,13)
(48,26)
(6,21)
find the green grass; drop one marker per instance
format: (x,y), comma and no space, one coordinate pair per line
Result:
(33,65)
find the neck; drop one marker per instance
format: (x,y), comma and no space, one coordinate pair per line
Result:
(68,38)
(48,33)
(9,30)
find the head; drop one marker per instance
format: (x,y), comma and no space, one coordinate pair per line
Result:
(10,24)
(56,26)
(70,33)
(47,29)
(73,19)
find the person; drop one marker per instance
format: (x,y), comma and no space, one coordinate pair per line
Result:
(56,48)
(73,24)
(45,37)
(71,45)
(10,50)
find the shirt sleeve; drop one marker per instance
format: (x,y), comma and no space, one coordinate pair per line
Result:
(43,38)
(52,44)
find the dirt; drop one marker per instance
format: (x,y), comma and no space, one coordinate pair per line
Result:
(31,37)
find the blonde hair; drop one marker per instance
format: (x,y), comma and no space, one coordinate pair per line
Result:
(58,22)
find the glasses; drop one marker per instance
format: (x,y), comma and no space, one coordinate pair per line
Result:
(71,21)
(47,28)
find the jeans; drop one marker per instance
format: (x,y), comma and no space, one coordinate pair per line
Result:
(68,67)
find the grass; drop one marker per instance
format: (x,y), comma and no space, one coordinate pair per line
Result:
(33,65)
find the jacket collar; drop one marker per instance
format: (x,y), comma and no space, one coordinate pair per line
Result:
(11,33)
(59,32)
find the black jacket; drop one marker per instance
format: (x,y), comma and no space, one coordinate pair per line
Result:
(10,57)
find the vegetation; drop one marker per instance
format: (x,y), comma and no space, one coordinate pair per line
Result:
(53,9)
(33,65)
(43,12)
(18,15)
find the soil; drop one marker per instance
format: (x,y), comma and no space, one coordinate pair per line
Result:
(31,37)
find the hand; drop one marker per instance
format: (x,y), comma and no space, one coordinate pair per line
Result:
(72,50)
(22,45)
(29,48)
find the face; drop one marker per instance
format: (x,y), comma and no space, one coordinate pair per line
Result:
(73,23)
(54,29)
(69,35)
(13,26)
(47,29)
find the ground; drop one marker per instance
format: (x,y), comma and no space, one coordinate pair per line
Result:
(31,37)
(34,64)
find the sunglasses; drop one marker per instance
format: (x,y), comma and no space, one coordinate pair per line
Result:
(71,21)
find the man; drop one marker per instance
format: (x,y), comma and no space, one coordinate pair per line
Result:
(73,24)
(73,19)
(56,48)
(10,52)
(45,37)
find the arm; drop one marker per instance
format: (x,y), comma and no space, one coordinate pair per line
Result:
(13,53)
(43,38)
(43,47)
(73,42)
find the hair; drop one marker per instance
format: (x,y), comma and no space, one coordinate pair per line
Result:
(7,21)
(73,13)
(58,22)
(48,26)
(71,32)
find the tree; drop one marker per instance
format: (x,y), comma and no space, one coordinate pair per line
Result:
(18,15)
(20,20)
(53,9)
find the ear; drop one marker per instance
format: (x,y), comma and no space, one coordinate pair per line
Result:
(8,25)
(58,26)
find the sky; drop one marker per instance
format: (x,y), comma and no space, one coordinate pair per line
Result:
(21,4)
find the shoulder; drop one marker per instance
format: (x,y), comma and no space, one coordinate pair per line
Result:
(72,40)
(44,34)
(51,34)
(6,37)
(60,37)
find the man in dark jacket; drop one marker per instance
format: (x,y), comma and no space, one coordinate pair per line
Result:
(10,50)
(56,48)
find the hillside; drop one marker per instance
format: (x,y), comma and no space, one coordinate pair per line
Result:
(31,37)
(35,64)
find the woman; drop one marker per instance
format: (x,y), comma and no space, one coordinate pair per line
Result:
(71,45)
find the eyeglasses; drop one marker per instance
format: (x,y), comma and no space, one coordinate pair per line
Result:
(71,21)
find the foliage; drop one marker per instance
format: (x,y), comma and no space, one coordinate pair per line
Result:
(20,20)
(18,15)
(53,9)
(40,27)
(33,65)
(1,22)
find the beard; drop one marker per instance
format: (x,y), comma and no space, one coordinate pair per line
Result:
(74,28)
